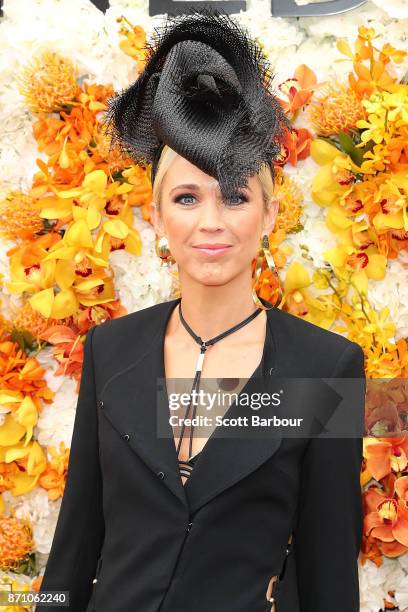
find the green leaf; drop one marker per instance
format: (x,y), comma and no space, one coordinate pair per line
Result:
(347,144)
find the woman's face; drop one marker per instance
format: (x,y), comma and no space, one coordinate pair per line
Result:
(193,214)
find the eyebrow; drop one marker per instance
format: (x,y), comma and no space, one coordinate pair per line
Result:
(195,186)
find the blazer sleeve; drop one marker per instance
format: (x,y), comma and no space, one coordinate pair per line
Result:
(79,532)
(329,527)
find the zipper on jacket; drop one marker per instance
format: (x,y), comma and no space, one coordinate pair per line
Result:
(188,529)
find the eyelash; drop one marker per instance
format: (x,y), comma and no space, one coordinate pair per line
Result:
(183,195)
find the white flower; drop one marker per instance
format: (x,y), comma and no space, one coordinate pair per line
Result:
(398,9)
(374,583)
(56,421)
(392,291)
(140,281)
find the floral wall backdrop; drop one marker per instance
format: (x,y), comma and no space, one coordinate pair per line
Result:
(77,245)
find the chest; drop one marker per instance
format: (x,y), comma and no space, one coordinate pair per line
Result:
(233,360)
(225,371)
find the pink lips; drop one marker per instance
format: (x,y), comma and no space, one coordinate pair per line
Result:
(212,249)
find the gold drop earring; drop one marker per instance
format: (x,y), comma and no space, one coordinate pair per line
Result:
(264,254)
(163,251)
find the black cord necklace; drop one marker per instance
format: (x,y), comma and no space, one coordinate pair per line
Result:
(199,365)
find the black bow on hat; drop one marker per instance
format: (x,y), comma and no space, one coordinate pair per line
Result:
(205,92)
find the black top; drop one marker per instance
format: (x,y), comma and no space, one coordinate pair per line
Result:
(186,467)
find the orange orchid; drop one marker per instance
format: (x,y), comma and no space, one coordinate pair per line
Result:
(386,520)
(54,476)
(295,146)
(374,76)
(401,488)
(369,79)
(296,92)
(69,350)
(21,375)
(386,455)
(94,315)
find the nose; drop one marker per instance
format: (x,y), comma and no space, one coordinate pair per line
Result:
(211,214)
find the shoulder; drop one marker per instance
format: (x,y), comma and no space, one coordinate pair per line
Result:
(307,346)
(135,328)
(143,315)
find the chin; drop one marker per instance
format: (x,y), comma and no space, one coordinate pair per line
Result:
(210,280)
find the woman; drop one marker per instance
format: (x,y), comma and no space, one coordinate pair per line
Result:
(156,518)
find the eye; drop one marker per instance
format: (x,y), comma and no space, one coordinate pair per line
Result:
(183,195)
(238,195)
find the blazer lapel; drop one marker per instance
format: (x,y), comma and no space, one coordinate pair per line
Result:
(130,400)
(135,405)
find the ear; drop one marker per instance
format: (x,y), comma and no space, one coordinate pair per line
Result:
(156,219)
(270,216)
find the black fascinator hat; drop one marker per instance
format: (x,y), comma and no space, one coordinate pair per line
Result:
(205,92)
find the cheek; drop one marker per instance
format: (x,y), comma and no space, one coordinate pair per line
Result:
(180,228)
(247,228)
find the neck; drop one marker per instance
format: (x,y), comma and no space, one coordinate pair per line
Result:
(214,309)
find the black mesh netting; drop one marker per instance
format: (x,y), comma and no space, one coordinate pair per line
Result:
(205,92)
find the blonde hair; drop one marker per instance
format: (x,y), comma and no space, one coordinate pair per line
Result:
(168,155)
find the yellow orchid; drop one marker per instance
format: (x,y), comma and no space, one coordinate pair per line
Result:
(29,270)
(133,41)
(384,222)
(57,306)
(391,200)
(27,415)
(301,302)
(338,221)
(11,432)
(93,187)
(375,160)
(31,281)
(381,327)
(34,461)
(335,177)
(357,234)
(391,105)
(78,264)
(374,129)
(9,396)
(53,477)
(119,234)
(119,227)
(94,291)
(76,259)
(345,259)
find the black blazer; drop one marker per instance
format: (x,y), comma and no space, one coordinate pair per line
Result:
(212,545)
